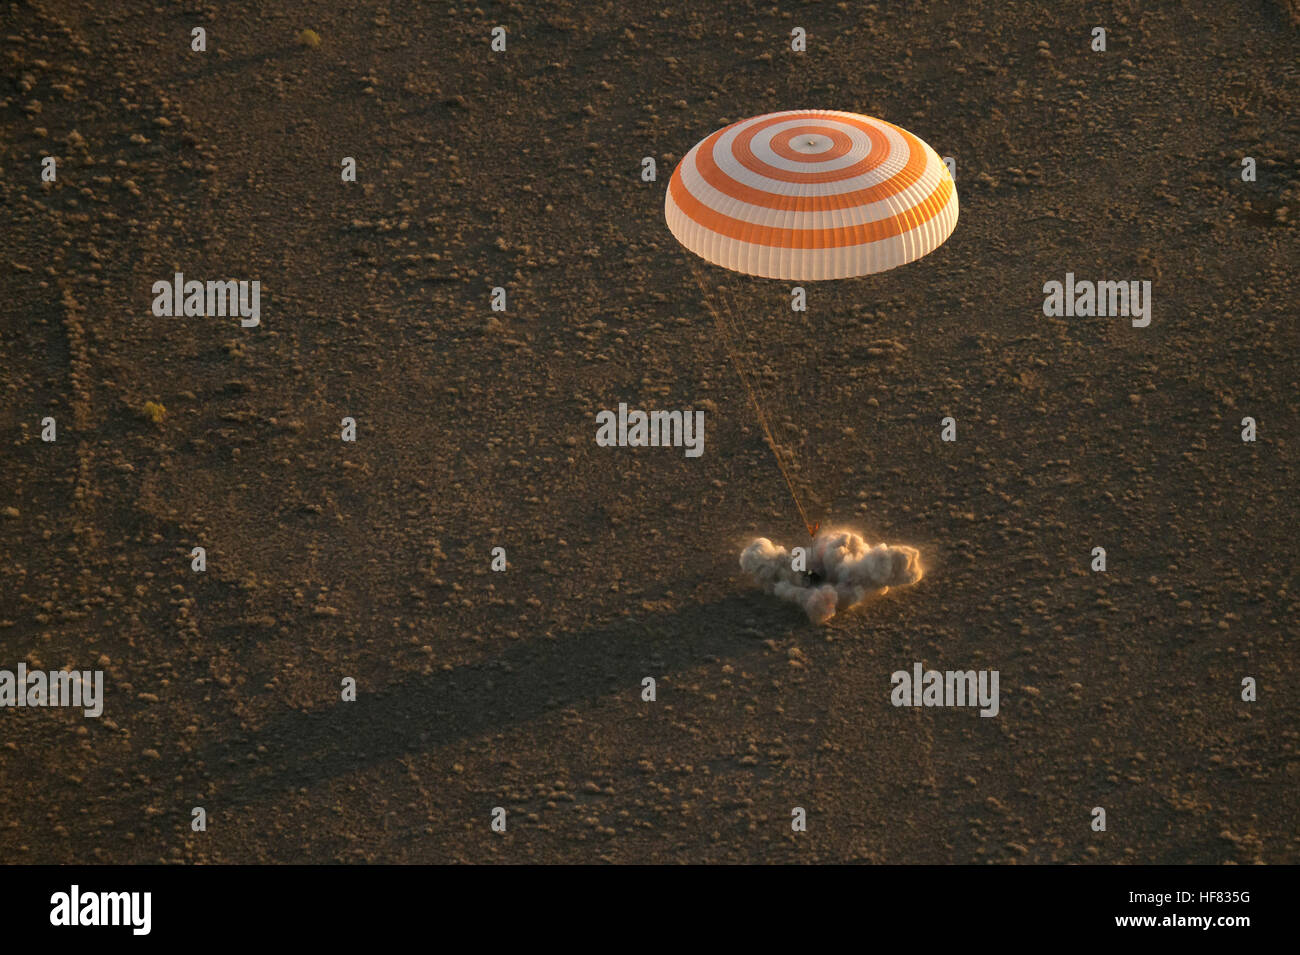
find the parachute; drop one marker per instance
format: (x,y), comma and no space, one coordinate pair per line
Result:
(806,195)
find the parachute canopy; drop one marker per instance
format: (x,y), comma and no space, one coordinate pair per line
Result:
(811,194)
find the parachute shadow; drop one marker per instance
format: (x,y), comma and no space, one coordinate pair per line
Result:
(528,680)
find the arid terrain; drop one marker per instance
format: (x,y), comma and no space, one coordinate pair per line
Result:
(522,689)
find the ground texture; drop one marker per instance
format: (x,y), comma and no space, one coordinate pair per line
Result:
(523,689)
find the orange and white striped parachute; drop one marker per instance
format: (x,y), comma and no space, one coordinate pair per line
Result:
(811,194)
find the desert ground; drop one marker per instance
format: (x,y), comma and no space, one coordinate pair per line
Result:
(522,689)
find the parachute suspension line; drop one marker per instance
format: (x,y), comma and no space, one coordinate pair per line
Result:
(727,333)
(775,400)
